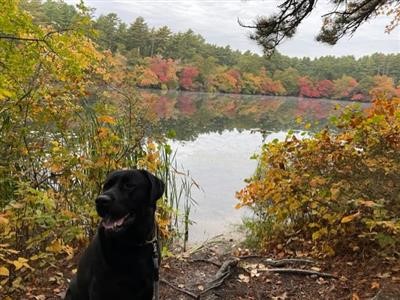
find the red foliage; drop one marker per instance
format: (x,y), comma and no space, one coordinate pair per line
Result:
(186,105)
(307,88)
(306,107)
(162,106)
(187,76)
(165,69)
(325,88)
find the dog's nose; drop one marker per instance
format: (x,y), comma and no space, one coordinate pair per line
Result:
(103,200)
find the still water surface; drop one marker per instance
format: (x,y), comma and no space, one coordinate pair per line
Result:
(215,139)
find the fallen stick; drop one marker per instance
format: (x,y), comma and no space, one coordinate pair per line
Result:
(189,293)
(299,271)
(207,243)
(279,262)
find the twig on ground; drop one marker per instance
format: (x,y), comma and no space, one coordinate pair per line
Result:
(207,243)
(299,271)
(280,262)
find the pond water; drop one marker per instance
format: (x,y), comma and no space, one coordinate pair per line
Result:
(216,134)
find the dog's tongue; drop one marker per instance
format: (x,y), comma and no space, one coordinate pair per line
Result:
(110,224)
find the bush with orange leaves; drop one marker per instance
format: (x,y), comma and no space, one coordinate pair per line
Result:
(337,191)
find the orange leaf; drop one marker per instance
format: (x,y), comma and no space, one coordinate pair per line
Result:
(4,271)
(350,218)
(106,119)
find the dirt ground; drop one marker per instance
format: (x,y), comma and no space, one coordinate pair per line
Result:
(221,269)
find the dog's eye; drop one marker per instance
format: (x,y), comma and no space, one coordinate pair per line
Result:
(129,186)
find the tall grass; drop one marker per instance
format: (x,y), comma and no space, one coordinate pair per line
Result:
(178,195)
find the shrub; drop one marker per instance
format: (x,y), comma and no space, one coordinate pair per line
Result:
(338,190)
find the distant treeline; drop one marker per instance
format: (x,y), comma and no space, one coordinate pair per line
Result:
(162,59)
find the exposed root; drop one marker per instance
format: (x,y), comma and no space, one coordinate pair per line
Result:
(299,271)
(279,262)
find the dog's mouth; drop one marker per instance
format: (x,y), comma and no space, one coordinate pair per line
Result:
(112,224)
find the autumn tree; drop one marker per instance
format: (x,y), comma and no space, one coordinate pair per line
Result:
(307,88)
(187,77)
(165,70)
(325,88)
(69,114)
(344,87)
(383,87)
(251,83)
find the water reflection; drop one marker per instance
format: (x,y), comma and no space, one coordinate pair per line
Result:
(191,114)
(214,140)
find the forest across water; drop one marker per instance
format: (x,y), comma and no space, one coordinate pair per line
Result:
(277,145)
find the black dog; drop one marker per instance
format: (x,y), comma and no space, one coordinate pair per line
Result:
(119,262)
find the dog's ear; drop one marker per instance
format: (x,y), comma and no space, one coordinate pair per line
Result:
(156,186)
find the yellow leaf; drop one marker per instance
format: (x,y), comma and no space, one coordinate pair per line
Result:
(21,262)
(4,271)
(328,250)
(350,218)
(55,247)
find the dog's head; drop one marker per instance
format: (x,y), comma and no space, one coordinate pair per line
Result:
(128,200)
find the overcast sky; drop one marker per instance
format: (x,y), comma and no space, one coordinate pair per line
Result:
(216,21)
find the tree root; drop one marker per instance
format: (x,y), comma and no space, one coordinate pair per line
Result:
(299,271)
(223,273)
(280,262)
(226,269)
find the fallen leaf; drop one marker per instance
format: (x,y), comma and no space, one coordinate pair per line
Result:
(4,271)
(384,275)
(350,218)
(244,278)
(254,273)
(280,297)
(375,285)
